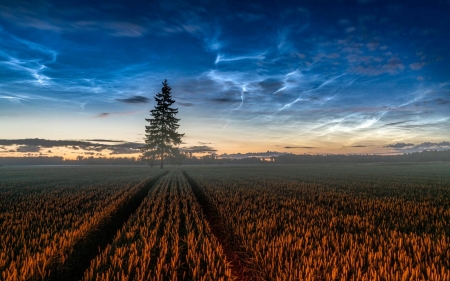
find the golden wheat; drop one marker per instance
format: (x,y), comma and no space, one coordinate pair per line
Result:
(43,218)
(306,222)
(337,228)
(167,239)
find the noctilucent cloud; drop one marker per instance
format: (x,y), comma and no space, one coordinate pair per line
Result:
(310,76)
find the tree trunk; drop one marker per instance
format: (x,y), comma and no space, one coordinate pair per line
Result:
(162,158)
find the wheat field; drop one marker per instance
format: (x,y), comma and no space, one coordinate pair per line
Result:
(249,222)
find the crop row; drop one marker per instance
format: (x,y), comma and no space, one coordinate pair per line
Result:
(166,239)
(292,229)
(41,221)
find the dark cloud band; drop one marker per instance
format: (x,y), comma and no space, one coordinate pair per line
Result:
(135,99)
(35,145)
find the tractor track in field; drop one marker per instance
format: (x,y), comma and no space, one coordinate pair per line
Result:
(96,241)
(223,236)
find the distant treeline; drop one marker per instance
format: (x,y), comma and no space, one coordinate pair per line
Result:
(425,156)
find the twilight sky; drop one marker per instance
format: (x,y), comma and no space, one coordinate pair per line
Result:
(311,76)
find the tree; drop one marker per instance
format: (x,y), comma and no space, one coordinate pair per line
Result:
(161,134)
(149,154)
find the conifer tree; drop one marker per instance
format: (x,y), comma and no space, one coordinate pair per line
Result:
(161,134)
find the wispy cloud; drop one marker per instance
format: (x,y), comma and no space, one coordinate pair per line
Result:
(276,73)
(27,15)
(26,57)
(221,58)
(114,28)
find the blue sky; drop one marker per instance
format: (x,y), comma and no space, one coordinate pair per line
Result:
(287,76)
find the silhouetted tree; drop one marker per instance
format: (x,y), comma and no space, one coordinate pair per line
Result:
(161,134)
(149,154)
(176,157)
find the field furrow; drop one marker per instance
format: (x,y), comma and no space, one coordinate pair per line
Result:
(240,261)
(272,223)
(334,229)
(49,229)
(166,239)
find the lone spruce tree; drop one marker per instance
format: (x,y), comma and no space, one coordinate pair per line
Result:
(161,134)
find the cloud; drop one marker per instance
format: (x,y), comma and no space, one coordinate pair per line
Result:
(126,148)
(114,28)
(394,65)
(249,17)
(411,148)
(344,22)
(359,146)
(307,147)
(399,145)
(333,56)
(221,58)
(397,123)
(439,101)
(198,149)
(350,29)
(34,145)
(25,16)
(28,148)
(135,99)
(372,46)
(102,115)
(442,101)
(30,15)
(368,65)
(41,142)
(225,100)
(27,60)
(417,65)
(239,89)
(104,140)
(252,154)
(365,1)
(431,145)
(185,103)
(124,113)
(270,85)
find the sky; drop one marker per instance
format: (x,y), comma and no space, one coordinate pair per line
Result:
(315,77)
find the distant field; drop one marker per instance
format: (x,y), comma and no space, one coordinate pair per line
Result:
(249,222)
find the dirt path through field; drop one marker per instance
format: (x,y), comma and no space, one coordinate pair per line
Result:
(239,270)
(88,248)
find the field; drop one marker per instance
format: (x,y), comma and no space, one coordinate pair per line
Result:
(268,222)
